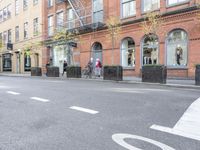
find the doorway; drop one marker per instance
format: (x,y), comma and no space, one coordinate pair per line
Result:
(97,52)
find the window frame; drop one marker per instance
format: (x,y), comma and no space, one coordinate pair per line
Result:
(35,26)
(176,4)
(25,4)
(17,7)
(49,5)
(9,36)
(166,51)
(131,48)
(142,7)
(35,2)
(49,27)
(142,50)
(16,34)
(59,24)
(121,9)
(96,12)
(26,30)
(72,20)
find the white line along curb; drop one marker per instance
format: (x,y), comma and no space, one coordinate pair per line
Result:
(13,93)
(84,110)
(39,99)
(188,125)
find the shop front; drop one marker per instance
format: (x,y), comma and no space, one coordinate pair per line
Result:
(7,62)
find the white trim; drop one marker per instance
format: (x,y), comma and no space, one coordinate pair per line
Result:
(39,99)
(93,112)
(13,93)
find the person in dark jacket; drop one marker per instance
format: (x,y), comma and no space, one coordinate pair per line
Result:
(64,67)
(90,67)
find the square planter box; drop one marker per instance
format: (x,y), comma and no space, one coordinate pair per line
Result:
(197,75)
(73,72)
(53,71)
(36,71)
(154,74)
(113,73)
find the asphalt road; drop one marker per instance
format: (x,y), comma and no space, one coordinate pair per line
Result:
(50,114)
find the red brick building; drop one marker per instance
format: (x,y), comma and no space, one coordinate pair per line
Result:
(177,46)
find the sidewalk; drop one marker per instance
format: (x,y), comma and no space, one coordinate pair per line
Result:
(172,82)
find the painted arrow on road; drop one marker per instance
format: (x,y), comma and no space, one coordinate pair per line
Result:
(188,125)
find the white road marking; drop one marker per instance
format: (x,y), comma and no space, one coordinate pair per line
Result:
(188,125)
(136,90)
(54,81)
(13,93)
(3,87)
(126,90)
(120,139)
(84,110)
(39,99)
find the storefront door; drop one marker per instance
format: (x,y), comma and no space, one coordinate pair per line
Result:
(97,52)
(17,63)
(7,62)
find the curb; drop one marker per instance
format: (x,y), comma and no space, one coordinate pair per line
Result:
(101,80)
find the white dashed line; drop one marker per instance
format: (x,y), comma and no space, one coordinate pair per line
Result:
(13,93)
(84,110)
(39,99)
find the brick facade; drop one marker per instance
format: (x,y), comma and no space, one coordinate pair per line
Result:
(182,16)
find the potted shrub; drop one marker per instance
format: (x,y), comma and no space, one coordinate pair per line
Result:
(154,73)
(73,72)
(36,71)
(113,73)
(197,74)
(53,71)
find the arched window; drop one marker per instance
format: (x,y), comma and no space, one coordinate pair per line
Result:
(177,48)
(150,49)
(97,51)
(27,61)
(128,52)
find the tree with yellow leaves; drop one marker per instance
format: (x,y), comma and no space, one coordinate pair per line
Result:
(32,49)
(67,36)
(114,27)
(151,24)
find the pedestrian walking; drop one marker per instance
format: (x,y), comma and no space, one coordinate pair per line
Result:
(64,67)
(98,67)
(47,65)
(90,67)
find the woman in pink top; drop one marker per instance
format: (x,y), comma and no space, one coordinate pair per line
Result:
(98,67)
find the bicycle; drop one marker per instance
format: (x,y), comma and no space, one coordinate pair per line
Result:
(85,73)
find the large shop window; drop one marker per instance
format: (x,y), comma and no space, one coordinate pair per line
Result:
(128,52)
(27,61)
(128,8)
(150,49)
(7,63)
(177,48)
